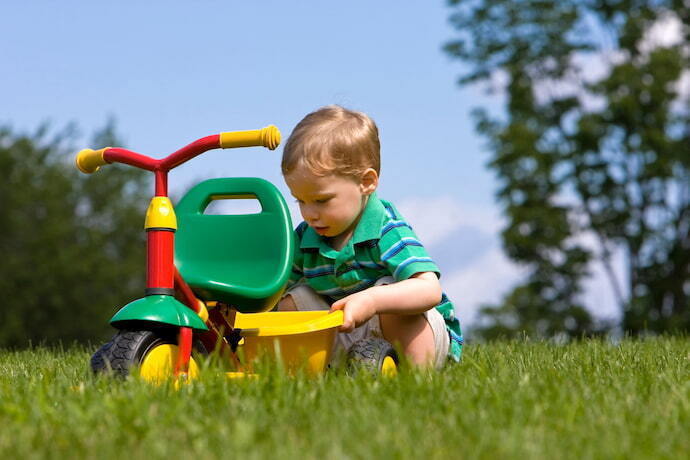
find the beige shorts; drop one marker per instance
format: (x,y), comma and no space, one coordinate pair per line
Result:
(306,299)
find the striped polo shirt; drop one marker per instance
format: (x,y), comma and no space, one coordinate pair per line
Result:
(383,244)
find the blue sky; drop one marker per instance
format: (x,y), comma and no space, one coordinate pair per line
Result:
(171,72)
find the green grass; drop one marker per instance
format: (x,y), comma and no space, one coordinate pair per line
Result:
(506,400)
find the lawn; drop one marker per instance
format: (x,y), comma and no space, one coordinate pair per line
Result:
(589,399)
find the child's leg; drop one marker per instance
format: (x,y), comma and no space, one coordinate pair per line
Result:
(287,303)
(302,298)
(413,334)
(422,337)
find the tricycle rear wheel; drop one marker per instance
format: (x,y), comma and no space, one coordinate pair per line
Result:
(373,355)
(152,353)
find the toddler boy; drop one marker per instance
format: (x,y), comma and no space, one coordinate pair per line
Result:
(355,251)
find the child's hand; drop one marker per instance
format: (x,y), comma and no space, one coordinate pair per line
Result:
(357,309)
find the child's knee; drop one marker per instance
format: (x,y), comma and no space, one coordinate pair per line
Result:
(287,303)
(303,298)
(412,333)
(408,325)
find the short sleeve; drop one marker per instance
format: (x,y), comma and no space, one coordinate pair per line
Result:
(297,272)
(403,254)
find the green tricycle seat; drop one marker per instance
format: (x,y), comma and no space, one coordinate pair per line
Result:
(243,260)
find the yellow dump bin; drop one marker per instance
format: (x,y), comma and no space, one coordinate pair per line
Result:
(303,339)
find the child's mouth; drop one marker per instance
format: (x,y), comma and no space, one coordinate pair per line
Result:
(321,229)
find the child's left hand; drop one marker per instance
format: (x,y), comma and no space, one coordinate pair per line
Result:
(358,308)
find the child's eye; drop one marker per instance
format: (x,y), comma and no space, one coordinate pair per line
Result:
(322,200)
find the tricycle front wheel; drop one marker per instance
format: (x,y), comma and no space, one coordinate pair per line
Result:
(149,354)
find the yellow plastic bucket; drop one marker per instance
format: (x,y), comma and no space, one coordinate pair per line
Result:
(302,339)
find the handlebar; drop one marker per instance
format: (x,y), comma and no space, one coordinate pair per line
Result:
(89,161)
(267,137)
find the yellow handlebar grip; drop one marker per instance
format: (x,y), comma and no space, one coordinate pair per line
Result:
(88,160)
(266,137)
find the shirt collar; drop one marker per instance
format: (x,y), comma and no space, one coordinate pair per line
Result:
(368,227)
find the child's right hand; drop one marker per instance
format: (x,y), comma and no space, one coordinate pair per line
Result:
(357,309)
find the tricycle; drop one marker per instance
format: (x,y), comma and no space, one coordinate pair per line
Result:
(213,279)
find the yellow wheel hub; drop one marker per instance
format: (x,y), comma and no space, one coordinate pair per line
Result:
(159,364)
(389,368)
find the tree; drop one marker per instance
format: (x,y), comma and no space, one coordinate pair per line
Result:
(592,147)
(72,246)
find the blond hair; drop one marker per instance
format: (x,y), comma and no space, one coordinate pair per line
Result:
(333,140)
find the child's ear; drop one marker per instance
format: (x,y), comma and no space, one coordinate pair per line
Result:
(369,181)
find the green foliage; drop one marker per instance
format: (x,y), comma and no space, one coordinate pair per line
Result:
(593,146)
(589,399)
(72,245)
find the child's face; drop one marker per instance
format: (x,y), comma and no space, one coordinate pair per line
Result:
(331,204)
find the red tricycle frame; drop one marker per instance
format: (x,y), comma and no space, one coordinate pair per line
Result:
(162,278)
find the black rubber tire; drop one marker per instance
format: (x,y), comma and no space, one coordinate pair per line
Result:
(98,363)
(126,350)
(369,354)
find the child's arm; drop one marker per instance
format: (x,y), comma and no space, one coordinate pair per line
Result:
(414,295)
